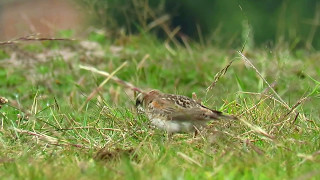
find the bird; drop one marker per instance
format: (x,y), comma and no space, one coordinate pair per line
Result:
(176,113)
(170,112)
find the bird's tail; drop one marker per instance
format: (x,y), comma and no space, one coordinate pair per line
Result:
(228,117)
(219,115)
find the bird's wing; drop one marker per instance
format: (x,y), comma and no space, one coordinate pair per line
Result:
(174,111)
(197,114)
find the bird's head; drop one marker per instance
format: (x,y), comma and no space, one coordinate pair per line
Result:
(145,98)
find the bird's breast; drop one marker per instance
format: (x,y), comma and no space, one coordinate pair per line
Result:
(172,126)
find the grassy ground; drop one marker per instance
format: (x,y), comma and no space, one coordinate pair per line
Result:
(56,122)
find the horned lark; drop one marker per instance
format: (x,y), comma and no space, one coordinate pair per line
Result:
(176,113)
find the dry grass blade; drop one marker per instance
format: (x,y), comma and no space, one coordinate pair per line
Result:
(266,90)
(254,106)
(308,157)
(295,118)
(296,105)
(255,148)
(282,121)
(89,127)
(219,75)
(141,63)
(116,79)
(258,130)
(95,91)
(293,109)
(247,61)
(186,44)
(158,21)
(31,38)
(269,96)
(163,25)
(188,158)
(49,139)
(43,137)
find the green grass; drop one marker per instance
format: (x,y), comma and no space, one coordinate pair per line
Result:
(42,131)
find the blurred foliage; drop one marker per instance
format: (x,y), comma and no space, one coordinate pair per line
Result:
(226,23)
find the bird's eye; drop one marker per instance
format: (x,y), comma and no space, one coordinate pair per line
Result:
(138,102)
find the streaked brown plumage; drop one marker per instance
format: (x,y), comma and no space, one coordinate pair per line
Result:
(175,113)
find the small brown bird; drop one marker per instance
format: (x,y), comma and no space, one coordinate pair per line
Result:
(176,113)
(173,113)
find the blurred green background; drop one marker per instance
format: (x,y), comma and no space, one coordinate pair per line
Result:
(226,23)
(223,22)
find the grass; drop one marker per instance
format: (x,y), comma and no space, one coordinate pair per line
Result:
(45,134)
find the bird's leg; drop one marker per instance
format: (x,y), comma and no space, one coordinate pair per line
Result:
(196,132)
